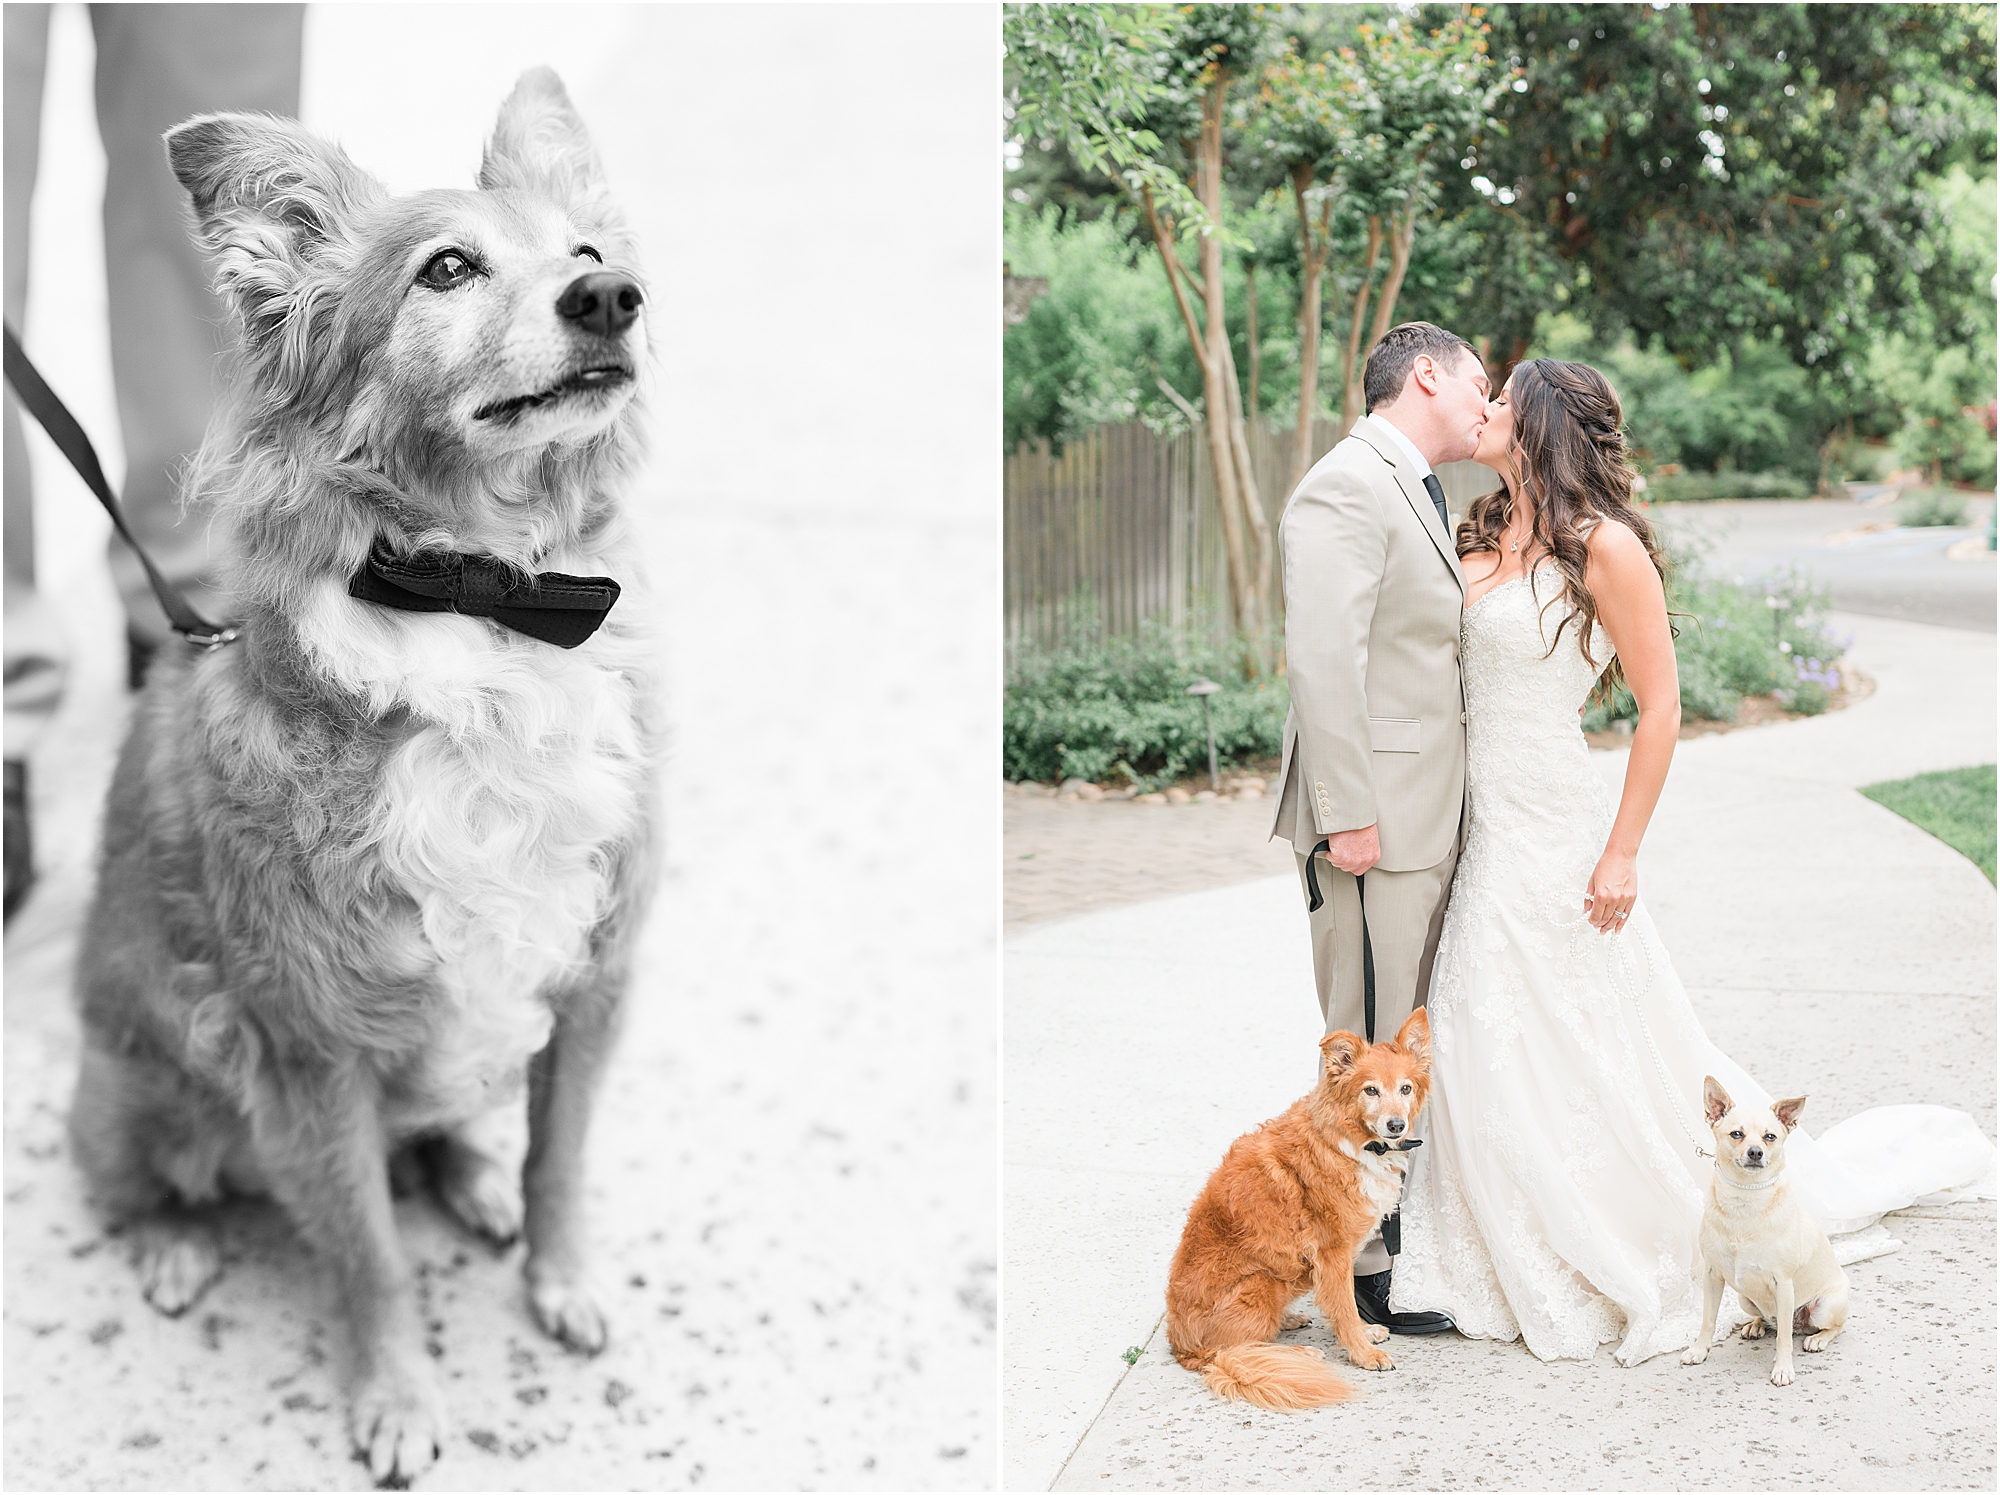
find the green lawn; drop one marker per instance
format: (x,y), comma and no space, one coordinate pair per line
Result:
(1956,806)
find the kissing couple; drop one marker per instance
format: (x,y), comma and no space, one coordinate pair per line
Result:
(1461,852)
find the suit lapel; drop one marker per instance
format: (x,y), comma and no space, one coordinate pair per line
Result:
(1417,496)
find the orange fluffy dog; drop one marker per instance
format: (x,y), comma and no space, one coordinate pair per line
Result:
(1290,1206)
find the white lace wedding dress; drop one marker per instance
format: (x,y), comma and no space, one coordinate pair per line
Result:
(1558,1194)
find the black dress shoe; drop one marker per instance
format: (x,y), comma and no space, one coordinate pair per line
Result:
(1371,1297)
(19,854)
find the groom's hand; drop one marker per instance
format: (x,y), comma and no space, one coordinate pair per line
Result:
(1354,852)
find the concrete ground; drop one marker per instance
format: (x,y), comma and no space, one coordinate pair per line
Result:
(1828,945)
(1856,550)
(793,1167)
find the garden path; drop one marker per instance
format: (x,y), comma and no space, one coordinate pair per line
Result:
(1828,945)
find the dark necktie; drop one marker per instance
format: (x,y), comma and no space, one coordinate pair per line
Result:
(557,609)
(1436,490)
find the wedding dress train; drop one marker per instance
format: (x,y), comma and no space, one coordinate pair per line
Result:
(1559,1193)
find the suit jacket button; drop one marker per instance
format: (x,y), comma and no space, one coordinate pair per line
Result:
(1461,718)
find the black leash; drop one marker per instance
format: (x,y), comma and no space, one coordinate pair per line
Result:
(1313,905)
(1392,1224)
(53,416)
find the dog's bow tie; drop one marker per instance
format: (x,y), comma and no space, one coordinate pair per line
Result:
(1379,1148)
(557,609)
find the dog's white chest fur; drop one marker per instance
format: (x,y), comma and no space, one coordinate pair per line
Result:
(1380,1176)
(501,817)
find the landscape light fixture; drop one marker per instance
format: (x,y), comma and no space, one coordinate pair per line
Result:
(1205,689)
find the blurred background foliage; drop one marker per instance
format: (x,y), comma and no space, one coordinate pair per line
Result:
(1772,226)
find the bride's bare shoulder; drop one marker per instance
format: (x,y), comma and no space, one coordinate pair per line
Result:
(1607,540)
(1617,562)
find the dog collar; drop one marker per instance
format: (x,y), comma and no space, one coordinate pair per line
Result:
(1380,1148)
(1748,1188)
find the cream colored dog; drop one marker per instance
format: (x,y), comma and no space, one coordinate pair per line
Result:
(1759,1240)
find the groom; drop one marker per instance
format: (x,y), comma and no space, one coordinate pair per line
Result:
(1374,765)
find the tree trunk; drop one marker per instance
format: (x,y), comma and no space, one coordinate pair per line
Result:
(1219,388)
(1402,236)
(1253,500)
(1313,261)
(1351,402)
(1256,351)
(1220,458)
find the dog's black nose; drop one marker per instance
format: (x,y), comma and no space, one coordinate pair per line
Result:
(1753,1154)
(1394,1126)
(603,302)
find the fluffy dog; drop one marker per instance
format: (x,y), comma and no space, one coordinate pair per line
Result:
(1758,1239)
(364,868)
(1286,1212)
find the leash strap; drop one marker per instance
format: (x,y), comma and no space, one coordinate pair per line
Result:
(1392,1223)
(53,416)
(1315,901)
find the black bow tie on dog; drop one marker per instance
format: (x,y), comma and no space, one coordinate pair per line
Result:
(1379,1148)
(557,609)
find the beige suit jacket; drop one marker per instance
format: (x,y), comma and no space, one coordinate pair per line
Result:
(1373,598)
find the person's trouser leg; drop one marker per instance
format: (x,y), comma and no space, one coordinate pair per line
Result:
(1405,918)
(156,66)
(36,652)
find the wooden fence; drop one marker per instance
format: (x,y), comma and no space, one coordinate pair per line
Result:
(1122,529)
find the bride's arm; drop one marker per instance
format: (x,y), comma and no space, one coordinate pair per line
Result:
(1632,607)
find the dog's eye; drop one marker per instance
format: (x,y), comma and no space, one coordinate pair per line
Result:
(1770,1136)
(1369,1090)
(586,249)
(447,268)
(1404,1091)
(1736,1136)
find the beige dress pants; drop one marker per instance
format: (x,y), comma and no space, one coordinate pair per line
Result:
(1405,917)
(156,66)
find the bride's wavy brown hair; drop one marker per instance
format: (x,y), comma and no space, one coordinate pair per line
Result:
(1575,472)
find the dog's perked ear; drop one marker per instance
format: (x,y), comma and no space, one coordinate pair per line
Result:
(1716,1103)
(1787,1111)
(539,143)
(270,200)
(1340,1051)
(1415,1036)
(254,176)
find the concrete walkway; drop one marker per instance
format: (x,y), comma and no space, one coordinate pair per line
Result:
(1828,945)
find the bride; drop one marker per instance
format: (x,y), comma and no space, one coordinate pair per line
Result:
(1560,1193)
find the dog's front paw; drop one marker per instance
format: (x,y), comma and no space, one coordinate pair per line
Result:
(566,1309)
(1695,1354)
(1755,1329)
(398,1424)
(176,1265)
(483,1195)
(1781,1375)
(1376,1333)
(1367,1357)
(1819,1341)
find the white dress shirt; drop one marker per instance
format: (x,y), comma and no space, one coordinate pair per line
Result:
(1377,423)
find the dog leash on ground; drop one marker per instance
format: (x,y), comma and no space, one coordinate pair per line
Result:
(53,416)
(1392,1223)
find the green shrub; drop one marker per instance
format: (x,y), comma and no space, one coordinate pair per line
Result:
(1121,711)
(1684,487)
(1732,643)
(1752,409)
(1974,462)
(1924,508)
